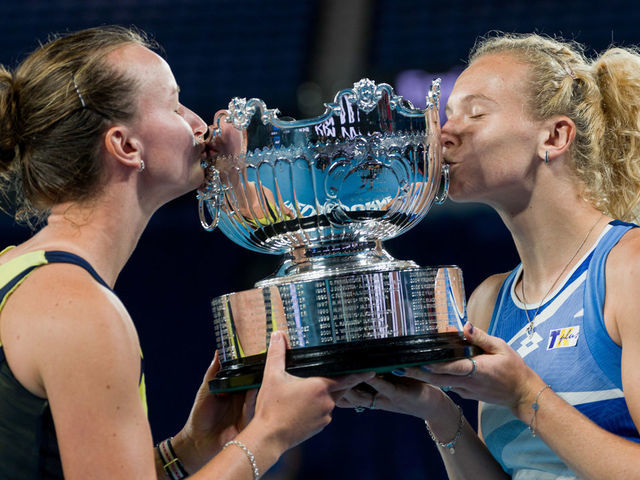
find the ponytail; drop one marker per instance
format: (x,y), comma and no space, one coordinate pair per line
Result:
(617,74)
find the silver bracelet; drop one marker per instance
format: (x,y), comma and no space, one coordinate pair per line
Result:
(451,446)
(252,459)
(535,406)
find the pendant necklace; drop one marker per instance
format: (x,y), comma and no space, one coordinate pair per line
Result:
(531,320)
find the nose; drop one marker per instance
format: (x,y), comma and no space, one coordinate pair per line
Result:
(449,136)
(198,125)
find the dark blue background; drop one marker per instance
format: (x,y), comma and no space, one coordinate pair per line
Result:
(256,48)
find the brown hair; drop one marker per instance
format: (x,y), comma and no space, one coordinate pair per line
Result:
(54,108)
(602,97)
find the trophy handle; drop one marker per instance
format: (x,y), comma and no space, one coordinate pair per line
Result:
(203,219)
(211,196)
(444,191)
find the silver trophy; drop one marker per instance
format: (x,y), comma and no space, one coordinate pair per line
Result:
(325,193)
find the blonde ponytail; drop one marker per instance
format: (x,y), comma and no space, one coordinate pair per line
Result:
(617,73)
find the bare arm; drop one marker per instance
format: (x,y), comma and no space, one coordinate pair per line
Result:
(417,393)
(288,410)
(479,312)
(503,378)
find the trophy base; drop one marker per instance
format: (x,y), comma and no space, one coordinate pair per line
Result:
(379,355)
(343,323)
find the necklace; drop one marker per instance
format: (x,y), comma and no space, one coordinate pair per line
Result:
(530,326)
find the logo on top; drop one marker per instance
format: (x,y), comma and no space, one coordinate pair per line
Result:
(563,337)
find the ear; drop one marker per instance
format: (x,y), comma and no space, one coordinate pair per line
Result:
(123,146)
(557,137)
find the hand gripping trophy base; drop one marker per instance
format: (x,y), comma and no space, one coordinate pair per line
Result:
(379,355)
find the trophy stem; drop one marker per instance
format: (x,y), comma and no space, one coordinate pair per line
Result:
(329,259)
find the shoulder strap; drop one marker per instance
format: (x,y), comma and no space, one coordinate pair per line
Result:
(15,271)
(505,290)
(58,256)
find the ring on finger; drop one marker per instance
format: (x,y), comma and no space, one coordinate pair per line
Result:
(473,368)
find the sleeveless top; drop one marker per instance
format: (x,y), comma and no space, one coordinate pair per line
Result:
(28,444)
(571,351)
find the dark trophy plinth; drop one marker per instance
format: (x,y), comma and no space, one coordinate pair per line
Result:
(326,192)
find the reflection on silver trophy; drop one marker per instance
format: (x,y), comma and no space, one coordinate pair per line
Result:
(325,193)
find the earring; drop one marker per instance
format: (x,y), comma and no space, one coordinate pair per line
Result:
(141,167)
(546,156)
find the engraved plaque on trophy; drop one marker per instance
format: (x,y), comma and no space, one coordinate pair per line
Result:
(325,193)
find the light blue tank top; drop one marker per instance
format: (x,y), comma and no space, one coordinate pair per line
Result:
(571,351)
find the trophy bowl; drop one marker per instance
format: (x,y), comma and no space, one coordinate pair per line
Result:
(325,193)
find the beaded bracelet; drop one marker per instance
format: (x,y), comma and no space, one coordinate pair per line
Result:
(451,446)
(252,459)
(535,406)
(172,465)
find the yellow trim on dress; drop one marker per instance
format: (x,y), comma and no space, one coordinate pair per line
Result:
(142,391)
(14,267)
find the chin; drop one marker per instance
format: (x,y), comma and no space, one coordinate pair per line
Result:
(187,186)
(463,191)
(459,195)
(460,199)
(197,179)
(456,193)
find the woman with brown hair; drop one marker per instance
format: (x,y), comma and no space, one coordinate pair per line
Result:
(93,139)
(551,141)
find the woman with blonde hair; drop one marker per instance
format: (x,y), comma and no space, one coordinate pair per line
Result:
(93,139)
(551,141)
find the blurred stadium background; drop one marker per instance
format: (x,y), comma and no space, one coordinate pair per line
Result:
(295,55)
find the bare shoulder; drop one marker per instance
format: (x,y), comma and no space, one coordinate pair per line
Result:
(622,276)
(626,252)
(483,299)
(59,317)
(623,267)
(622,303)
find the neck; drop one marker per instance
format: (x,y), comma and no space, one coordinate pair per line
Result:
(104,233)
(551,236)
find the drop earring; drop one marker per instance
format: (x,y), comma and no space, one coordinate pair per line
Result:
(141,167)
(546,156)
